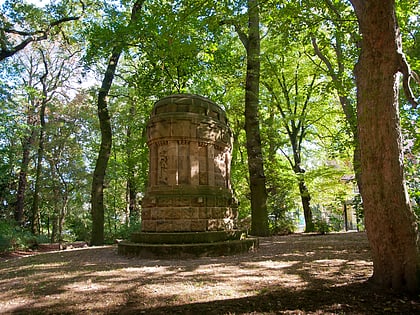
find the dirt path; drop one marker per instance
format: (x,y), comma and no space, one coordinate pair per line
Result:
(296,274)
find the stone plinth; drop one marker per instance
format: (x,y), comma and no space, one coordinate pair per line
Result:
(189,189)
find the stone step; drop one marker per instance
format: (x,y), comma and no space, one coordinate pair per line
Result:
(177,251)
(187,237)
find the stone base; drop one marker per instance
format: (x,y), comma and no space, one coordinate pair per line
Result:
(187,237)
(187,245)
(188,208)
(177,251)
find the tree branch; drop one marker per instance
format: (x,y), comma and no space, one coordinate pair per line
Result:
(5,53)
(238,29)
(407,75)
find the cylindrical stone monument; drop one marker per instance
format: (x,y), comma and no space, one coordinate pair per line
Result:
(188,208)
(189,187)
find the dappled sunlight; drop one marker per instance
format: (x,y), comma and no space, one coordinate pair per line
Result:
(270,264)
(97,279)
(86,285)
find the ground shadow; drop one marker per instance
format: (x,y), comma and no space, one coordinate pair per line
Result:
(297,274)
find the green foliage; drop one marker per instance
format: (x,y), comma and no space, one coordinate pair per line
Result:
(193,47)
(282,223)
(79,226)
(123,231)
(13,237)
(322,226)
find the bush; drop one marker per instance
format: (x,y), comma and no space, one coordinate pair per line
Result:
(79,227)
(4,243)
(321,226)
(14,237)
(282,224)
(123,231)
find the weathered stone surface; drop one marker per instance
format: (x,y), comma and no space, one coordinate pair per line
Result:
(182,250)
(190,149)
(188,208)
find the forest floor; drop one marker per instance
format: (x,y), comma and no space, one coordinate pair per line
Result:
(294,274)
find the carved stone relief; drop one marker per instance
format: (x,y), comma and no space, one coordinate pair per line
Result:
(163,164)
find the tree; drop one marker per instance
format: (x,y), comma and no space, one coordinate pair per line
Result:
(251,42)
(30,26)
(337,60)
(28,103)
(293,103)
(97,196)
(304,112)
(390,222)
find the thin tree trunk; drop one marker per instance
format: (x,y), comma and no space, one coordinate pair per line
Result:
(55,235)
(133,213)
(307,212)
(97,193)
(62,218)
(36,217)
(22,182)
(40,155)
(390,222)
(259,223)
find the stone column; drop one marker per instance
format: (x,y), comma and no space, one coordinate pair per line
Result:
(189,149)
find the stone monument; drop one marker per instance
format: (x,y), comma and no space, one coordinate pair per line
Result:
(188,208)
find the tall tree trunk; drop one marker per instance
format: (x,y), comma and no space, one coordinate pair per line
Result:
(55,235)
(35,224)
(259,223)
(27,143)
(305,196)
(131,193)
(35,201)
(390,222)
(22,182)
(97,193)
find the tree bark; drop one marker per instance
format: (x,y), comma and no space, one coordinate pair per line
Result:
(22,182)
(131,193)
(390,222)
(35,224)
(259,223)
(307,212)
(97,193)
(36,217)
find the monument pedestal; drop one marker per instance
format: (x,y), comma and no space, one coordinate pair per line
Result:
(188,208)
(187,244)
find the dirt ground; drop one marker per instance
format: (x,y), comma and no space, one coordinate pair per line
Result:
(295,274)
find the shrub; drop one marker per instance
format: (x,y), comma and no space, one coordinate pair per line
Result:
(282,224)
(321,226)
(14,237)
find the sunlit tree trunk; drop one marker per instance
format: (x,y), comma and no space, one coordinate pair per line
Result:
(390,222)
(97,193)
(259,223)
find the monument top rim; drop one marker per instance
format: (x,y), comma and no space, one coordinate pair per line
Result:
(190,100)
